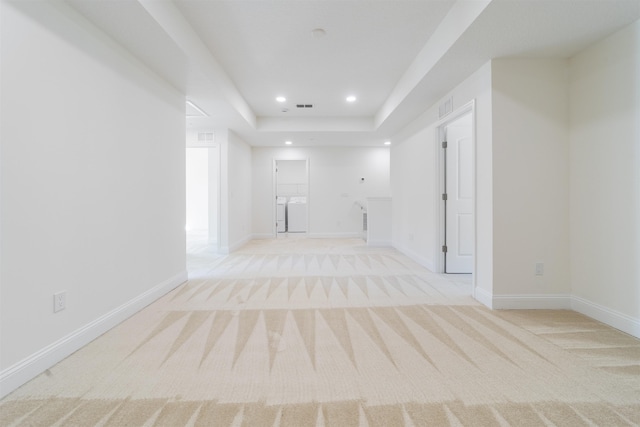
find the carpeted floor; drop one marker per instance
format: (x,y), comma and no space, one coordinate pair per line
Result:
(304,332)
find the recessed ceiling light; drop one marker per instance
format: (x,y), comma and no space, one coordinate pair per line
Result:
(288,142)
(351,98)
(281,99)
(387,143)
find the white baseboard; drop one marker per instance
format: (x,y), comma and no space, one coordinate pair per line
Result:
(613,318)
(531,302)
(345,235)
(483,297)
(425,262)
(28,368)
(263,236)
(226,250)
(379,243)
(240,243)
(342,235)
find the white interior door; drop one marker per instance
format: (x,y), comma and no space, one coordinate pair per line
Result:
(459,199)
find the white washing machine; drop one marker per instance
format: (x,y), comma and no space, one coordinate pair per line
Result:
(281,214)
(297,214)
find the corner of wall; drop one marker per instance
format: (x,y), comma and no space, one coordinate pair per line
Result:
(483,296)
(427,263)
(605,178)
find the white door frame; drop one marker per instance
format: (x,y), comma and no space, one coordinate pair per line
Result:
(213,146)
(468,108)
(274,181)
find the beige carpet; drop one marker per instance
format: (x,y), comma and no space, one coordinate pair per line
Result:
(302,332)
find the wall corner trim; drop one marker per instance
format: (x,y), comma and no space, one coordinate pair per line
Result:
(341,235)
(30,367)
(483,296)
(379,243)
(613,318)
(239,244)
(262,236)
(415,256)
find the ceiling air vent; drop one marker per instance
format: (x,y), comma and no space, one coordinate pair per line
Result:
(304,105)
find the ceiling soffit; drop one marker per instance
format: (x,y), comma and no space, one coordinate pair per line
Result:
(232,58)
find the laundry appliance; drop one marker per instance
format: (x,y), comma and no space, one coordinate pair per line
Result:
(297,214)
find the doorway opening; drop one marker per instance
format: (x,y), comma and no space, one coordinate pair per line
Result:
(291,197)
(202,204)
(457,201)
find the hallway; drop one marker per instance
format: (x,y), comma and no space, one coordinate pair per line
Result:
(330,332)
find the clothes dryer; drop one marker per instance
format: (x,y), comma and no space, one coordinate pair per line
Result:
(297,214)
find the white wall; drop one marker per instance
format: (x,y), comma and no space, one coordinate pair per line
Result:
(211,149)
(379,221)
(205,179)
(605,177)
(415,183)
(292,178)
(530,177)
(93,186)
(213,196)
(521,172)
(235,191)
(197,188)
(557,181)
(335,186)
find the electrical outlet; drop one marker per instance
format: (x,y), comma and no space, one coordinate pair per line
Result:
(59,301)
(539,268)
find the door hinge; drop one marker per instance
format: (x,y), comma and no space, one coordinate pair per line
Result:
(444,249)
(444,144)
(444,196)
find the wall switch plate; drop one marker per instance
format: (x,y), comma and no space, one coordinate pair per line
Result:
(539,268)
(59,301)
